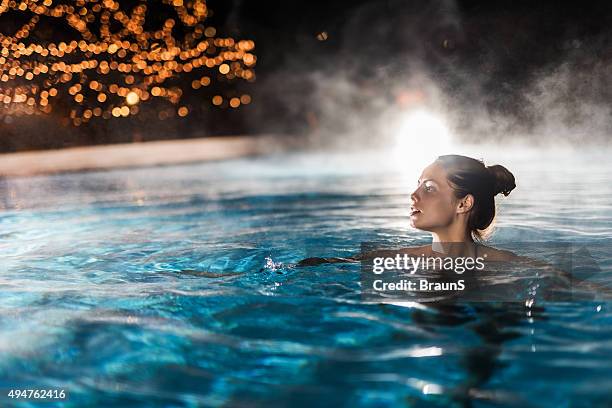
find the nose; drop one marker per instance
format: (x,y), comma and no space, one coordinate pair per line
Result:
(414,197)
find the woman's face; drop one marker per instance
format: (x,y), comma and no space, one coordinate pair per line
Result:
(433,203)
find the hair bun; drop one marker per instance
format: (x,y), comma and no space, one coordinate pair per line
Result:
(503,179)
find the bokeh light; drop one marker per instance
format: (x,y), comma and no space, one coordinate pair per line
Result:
(115,61)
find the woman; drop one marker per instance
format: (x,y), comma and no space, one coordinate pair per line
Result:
(455,201)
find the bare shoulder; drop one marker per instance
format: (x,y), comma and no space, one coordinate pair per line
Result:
(494,254)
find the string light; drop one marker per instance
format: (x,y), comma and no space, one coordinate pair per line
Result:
(116,64)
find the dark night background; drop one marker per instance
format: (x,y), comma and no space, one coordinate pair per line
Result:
(488,59)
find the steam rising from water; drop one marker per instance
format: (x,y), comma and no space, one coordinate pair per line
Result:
(400,59)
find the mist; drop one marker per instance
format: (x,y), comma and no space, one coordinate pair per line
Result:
(352,75)
(507,74)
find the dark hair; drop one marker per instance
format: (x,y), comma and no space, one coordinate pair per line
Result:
(471,176)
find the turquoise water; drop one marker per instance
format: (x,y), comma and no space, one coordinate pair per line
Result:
(173,286)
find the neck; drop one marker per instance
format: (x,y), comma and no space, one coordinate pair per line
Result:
(451,236)
(452,241)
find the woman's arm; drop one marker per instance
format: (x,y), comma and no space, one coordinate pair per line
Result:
(360,256)
(318,261)
(564,280)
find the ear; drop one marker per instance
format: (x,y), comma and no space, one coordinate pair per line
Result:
(465,204)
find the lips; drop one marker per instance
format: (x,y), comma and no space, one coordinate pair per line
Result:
(414,211)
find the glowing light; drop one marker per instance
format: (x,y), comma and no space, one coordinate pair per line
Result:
(234,102)
(426,352)
(432,389)
(420,137)
(422,133)
(114,58)
(132,98)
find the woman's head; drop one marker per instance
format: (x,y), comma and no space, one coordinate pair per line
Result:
(458,192)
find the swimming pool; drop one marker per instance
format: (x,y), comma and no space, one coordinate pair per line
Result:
(170,286)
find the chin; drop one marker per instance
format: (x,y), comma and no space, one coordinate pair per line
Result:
(417,225)
(420,225)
